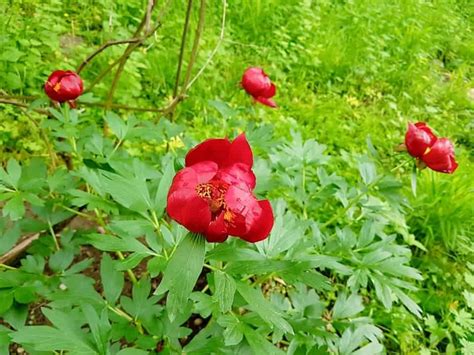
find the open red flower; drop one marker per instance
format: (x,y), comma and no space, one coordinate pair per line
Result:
(258,85)
(418,139)
(440,157)
(63,86)
(213,194)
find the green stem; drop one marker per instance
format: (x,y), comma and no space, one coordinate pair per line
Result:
(53,235)
(8,267)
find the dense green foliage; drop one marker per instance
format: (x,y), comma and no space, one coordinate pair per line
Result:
(357,261)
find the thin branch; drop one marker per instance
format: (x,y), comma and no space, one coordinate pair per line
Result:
(102,48)
(183,45)
(133,46)
(214,51)
(197,38)
(18,249)
(192,59)
(22,104)
(117,61)
(8,100)
(149,9)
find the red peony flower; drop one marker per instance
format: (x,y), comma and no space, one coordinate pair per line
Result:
(213,194)
(257,84)
(440,157)
(63,86)
(418,139)
(436,153)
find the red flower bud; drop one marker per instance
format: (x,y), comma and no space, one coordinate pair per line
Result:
(440,157)
(213,194)
(258,85)
(418,139)
(63,86)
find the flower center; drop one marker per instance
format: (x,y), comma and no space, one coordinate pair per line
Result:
(213,192)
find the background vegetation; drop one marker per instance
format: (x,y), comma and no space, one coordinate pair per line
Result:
(349,75)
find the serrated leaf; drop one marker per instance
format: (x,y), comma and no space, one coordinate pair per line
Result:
(346,307)
(225,290)
(14,208)
(117,125)
(112,280)
(14,172)
(131,193)
(259,344)
(100,327)
(182,272)
(367,171)
(262,307)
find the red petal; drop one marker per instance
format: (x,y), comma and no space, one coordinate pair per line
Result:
(184,205)
(216,150)
(71,86)
(189,178)
(239,174)
(245,210)
(266,101)
(189,210)
(240,151)
(261,226)
(441,157)
(257,83)
(418,139)
(217,230)
(269,92)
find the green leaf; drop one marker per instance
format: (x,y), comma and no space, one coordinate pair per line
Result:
(131,193)
(110,243)
(112,280)
(164,186)
(100,327)
(233,333)
(347,307)
(44,338)
(116,124)
(14,171)
(262,307)
(6,300)
(367,171)
(25,294)
(258,343)
(132,351)
(182,272)
(16,315)
(61,259)
(225,290)
(4,340)
(14,208)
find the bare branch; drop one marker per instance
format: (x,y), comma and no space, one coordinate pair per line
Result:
(18,249)
(133,46)
(183,45)
(214,51)
(102,48)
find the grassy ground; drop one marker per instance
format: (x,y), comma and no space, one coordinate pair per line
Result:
(344,71)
